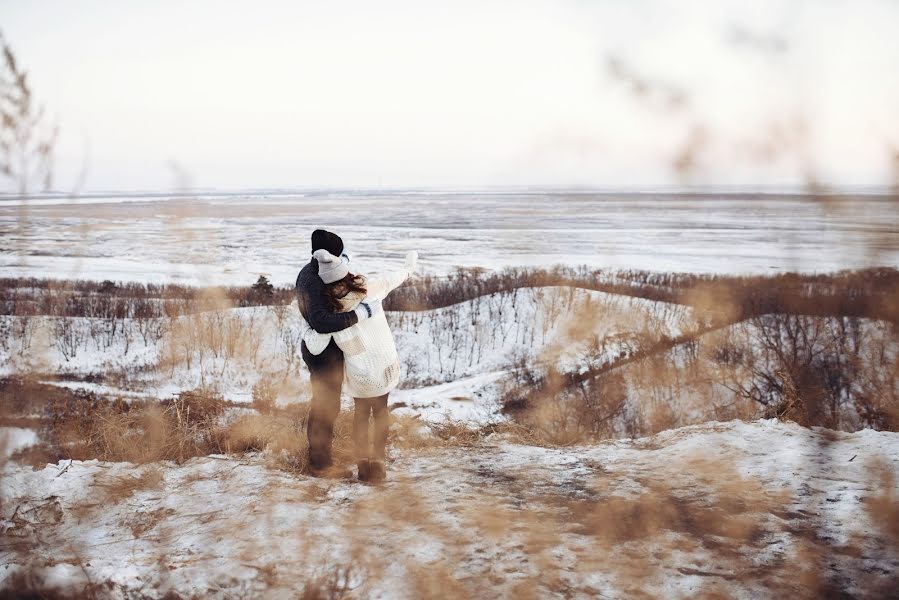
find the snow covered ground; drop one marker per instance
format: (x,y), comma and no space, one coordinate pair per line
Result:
(13,439)
(737,510)
(233,238)
(451,356)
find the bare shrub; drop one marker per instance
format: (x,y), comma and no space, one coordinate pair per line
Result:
(817,371)
(68,337)
(718,298)
(556,409)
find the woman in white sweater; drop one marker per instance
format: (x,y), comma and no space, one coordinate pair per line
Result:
(371,363)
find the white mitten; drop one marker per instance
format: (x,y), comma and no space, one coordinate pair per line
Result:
(368,308)
(411,261)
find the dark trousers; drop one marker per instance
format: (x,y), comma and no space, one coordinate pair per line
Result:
(376,407)
(326,374)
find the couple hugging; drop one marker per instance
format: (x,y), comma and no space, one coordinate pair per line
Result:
(347,343)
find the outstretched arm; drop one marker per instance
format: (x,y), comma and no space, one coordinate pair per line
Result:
(379,287)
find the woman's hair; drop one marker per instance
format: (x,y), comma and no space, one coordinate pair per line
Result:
(340,288)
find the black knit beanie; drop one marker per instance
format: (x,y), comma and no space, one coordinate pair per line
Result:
(326,240)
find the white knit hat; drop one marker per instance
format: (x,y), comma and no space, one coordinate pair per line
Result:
(331,268)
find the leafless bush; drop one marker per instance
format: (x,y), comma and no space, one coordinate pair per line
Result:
(836,372)
(554,409)
(833,372)
(108,300)
(68,335)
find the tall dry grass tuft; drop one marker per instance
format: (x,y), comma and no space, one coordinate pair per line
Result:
(177,429)
(448,432)
(87,427)
(883,509)
(281,436)
(410,433)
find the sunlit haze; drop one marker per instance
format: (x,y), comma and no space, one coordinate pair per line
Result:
(303,94)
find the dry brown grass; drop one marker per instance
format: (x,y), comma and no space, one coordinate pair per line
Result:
(281,436)
(435,582)
(195,424)
(632,536)
(138,432)
(141,522)
(120,488)
(262,432)
(148,435)
(409,432)
(450,432)
(883,509)
(731,511)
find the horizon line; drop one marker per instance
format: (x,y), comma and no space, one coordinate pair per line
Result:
(774,188)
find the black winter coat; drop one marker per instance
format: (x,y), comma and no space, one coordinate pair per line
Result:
(311,300)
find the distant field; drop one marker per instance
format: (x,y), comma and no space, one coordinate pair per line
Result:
(230,239)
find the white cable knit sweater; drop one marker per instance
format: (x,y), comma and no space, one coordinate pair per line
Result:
(371,364)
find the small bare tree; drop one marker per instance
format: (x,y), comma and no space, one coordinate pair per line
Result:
(26,141)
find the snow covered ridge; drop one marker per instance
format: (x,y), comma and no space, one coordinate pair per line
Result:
(655,364)
(738,510)
(237,348)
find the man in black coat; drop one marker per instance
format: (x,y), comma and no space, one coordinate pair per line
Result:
(325,369)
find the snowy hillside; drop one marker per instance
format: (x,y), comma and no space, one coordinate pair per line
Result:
(474,341)
(737,510)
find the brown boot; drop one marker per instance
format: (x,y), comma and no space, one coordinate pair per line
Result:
(364,469)
(332,472)
(377,471)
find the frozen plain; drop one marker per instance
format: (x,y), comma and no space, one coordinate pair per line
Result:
(233,238)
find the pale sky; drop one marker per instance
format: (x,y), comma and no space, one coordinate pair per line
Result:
(483,93)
